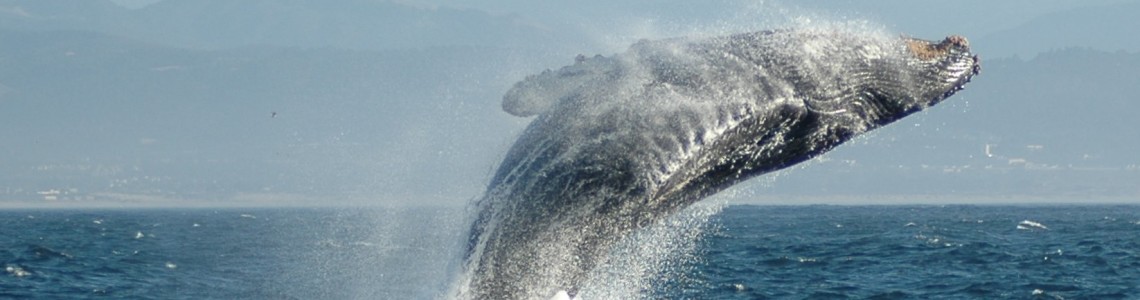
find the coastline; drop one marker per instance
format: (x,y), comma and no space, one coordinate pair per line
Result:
(294,201)
(931,199)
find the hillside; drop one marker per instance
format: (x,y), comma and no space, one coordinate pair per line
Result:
(1105,27)
(345,120)
(220,24)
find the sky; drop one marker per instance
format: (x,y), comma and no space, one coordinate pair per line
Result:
(374,102)
(611,25)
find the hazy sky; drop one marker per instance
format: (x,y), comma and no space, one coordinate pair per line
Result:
(402,101)
(615,23)
(135,3)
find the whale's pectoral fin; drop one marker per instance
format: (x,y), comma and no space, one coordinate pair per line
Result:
(539,93)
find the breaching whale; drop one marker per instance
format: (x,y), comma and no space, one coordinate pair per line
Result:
(620,142)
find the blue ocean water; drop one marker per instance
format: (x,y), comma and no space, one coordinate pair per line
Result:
(750,252)
(261,253)
(921,252)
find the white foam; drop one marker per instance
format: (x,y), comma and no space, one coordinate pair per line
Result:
(561,295)
(663,250)
(1028,225)
(17,271)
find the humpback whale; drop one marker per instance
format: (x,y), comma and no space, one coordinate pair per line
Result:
(622,141)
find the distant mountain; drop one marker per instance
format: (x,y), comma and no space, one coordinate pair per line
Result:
(924,19)
(219,24)
(75,104)
(1079,104)
(355,24)
(62,15)
(1033,26)
(1106,28)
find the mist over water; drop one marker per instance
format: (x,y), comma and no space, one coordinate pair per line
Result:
(644,265)
(654,260)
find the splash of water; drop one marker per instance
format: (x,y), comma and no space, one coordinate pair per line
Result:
(643,262)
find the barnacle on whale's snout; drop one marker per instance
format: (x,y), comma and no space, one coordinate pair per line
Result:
(926,50)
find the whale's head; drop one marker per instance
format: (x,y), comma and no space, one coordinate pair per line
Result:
(927,72)
(874,79)
(941,69)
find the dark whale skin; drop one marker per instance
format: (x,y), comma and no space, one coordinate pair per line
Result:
(621,142)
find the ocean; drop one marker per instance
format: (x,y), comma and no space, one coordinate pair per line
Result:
(745,252)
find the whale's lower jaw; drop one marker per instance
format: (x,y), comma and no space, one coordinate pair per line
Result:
(620,143)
